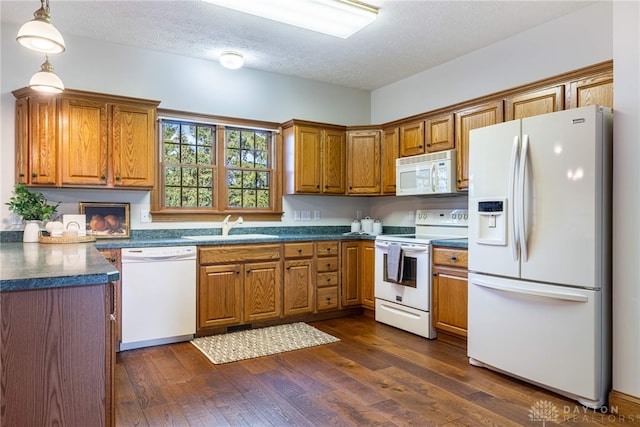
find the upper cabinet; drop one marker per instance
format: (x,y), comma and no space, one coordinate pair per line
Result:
(467,120)
(439,133)
(314,158)
(83,139)
(363,154)
(412,139)
(597,89)
(390,152)
(529,104)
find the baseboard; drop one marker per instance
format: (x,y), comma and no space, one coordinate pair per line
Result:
(625,404)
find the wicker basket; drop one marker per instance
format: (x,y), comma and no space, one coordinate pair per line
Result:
(70,239)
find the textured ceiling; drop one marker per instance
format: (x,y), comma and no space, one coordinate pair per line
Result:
(408,36)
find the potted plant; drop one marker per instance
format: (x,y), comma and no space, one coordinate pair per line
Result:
(33,208)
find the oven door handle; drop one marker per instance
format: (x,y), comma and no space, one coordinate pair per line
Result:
(405,248)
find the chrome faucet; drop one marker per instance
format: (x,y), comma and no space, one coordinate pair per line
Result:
(226,226)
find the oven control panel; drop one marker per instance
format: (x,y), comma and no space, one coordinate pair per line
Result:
(443,217)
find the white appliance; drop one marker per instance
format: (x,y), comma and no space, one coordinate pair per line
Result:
(540,251)
(158,295)
(406,303)
(424,174)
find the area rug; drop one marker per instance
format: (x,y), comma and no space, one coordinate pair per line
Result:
(252,343)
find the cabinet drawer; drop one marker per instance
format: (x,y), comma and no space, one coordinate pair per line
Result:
(327,279)
(238,253)
(327,264)
(329,248)
(298,250)
(327,298)
(450,256)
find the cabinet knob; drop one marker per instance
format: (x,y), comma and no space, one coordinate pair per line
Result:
(454,258)
(249,271)
(350,188)
(102,177)
(117,178)
(288,267)
(328,264)
(420,146)
(318,186)
(113,260)
(238,272)
(299,251)
(21,175)
(328,299)
(329,249)
(328,279)
(33,175)
(326,186)
(428,145)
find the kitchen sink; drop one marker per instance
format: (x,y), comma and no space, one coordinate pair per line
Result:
(231,237)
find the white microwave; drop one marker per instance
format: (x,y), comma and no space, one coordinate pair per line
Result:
(433,173)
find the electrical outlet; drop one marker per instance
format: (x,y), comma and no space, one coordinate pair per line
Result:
(306,215)
(296,215)
(145,216)
(359,214)
(316,215)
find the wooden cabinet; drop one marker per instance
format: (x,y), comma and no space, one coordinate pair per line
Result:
(315,158)
(351,254)
(541,101)
(298,280)
(56,350)
(367,273)
(114,136)
(467,120)
(327,275)
(592,90)
(114,257)
(363,169)
(439,133)
(450,290)
(390,152)
(238,284)
(412,139)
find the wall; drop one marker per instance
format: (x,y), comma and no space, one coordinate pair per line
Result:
(181,83)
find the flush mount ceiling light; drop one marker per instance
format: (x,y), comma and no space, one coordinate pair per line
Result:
(46,80)
(231,60)
(39,35)
(339,18)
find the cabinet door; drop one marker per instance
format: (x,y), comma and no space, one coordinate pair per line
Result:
(350,273)
(22,141)
(467,120)
(390,152)
(307,159)
(367,274)
(219,296)
(43,140)
(450,300)
(113,256)
(132,145)
(596,90)
(262,291)
(363,152)
(412,139)
(439,133)
(83,137)
(535,103)
(298,287)
(333,161)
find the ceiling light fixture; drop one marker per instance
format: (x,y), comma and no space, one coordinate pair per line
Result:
(339,18)
(46,80)
(39,35)
(231,60)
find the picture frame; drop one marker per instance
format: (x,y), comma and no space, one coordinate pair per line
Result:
(107,220)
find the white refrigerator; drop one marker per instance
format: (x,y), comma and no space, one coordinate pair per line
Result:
(540,251)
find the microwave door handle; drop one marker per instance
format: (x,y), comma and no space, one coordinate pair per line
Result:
(433,177)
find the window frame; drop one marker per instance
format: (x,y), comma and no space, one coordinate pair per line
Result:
(161,213)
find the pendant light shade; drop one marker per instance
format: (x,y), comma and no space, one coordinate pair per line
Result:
(39,35)
(46,80)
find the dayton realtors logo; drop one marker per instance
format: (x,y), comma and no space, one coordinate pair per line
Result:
(545,411)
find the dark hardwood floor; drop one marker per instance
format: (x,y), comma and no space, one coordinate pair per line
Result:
(376,375)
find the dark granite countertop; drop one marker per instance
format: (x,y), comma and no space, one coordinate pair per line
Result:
(453,243)
(38,266)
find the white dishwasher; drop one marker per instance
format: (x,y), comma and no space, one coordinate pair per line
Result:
(158,295)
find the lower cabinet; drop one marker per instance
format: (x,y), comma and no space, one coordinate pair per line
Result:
(219,295)
(262,291)
(450,290)
(56,350)
(298,278)
(367,273)
(327,275)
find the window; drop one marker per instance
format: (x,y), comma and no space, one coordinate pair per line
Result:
(208,169)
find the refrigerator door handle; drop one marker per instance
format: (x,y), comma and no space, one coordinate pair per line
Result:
(520,208)
(513,170)
(565,296)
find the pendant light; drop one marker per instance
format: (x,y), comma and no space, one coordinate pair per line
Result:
(39,35)
(46,80)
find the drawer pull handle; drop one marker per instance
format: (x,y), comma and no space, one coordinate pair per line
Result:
(328,279)
(454,258)
(299,251)
(288,267)
(248,271)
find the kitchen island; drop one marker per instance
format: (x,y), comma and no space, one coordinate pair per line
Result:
(56,345)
